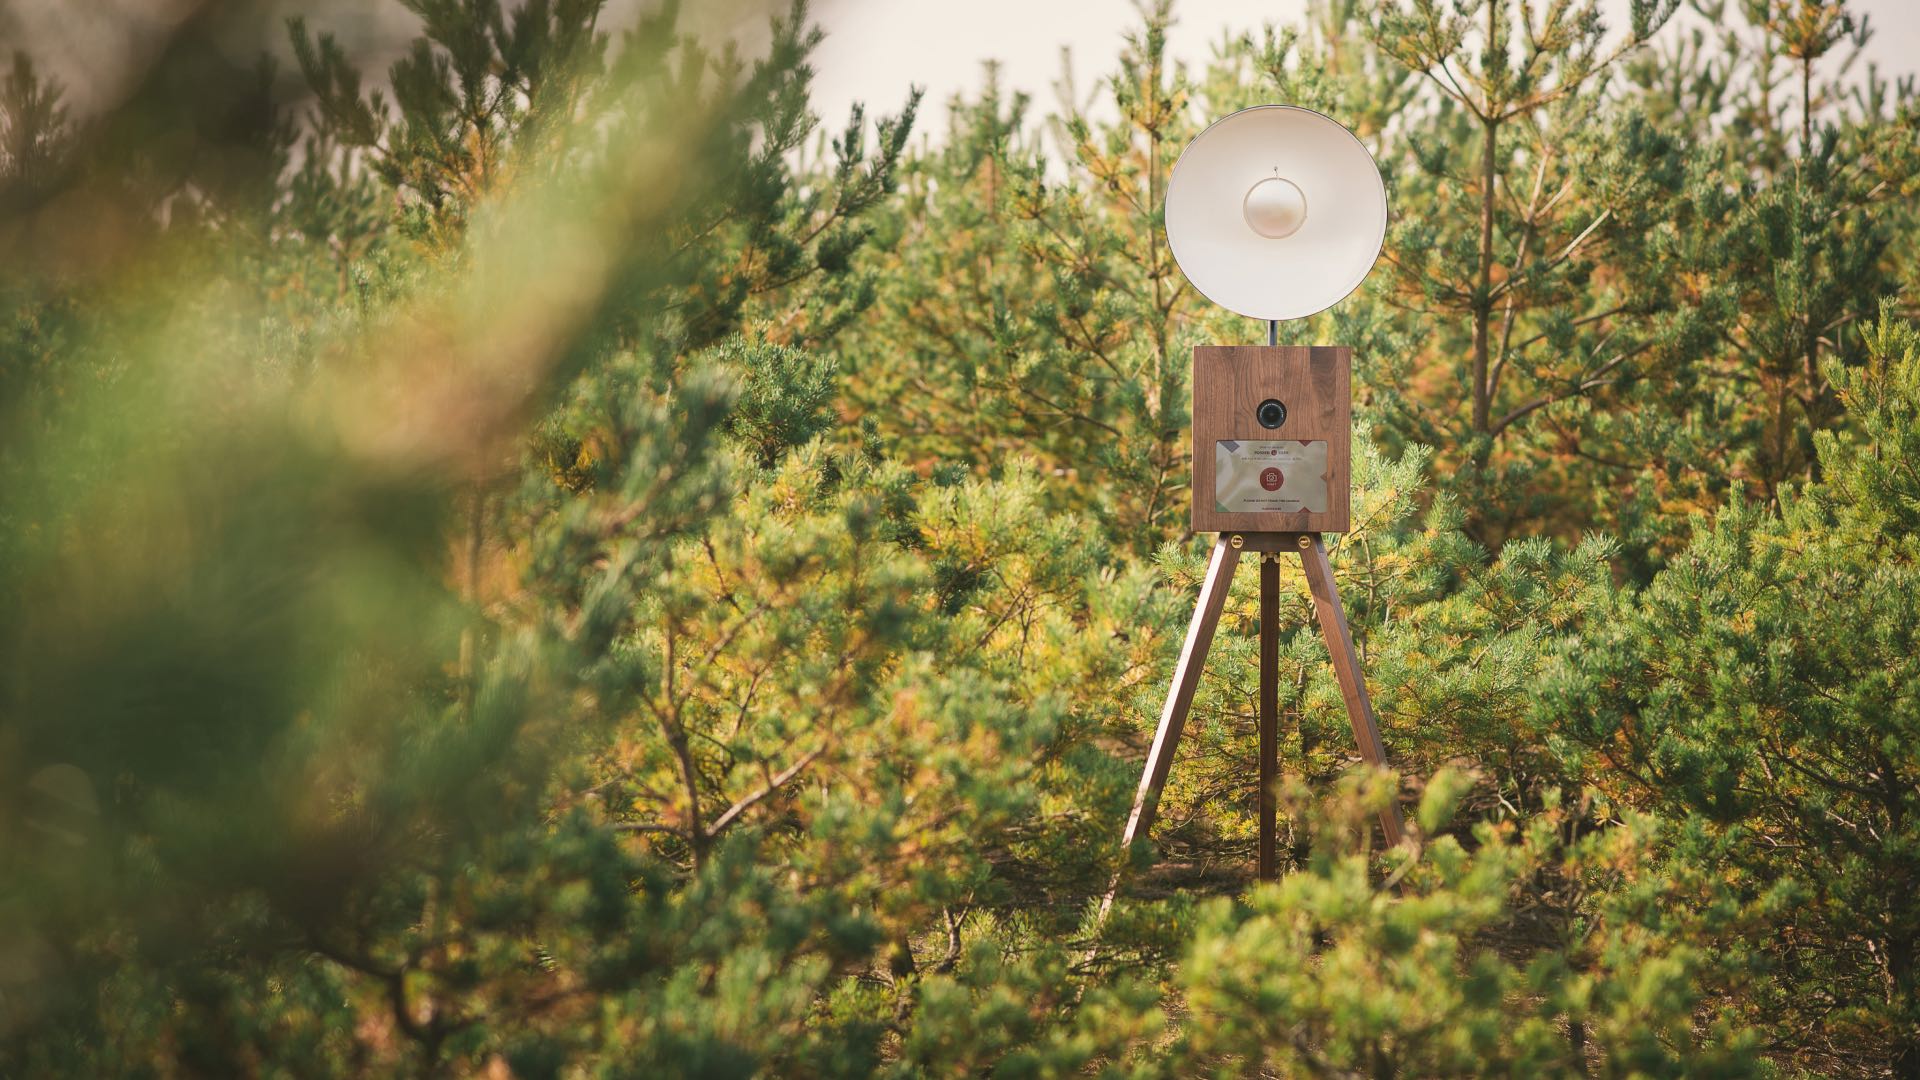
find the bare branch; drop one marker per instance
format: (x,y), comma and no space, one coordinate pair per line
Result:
(1598,378)
(774,784)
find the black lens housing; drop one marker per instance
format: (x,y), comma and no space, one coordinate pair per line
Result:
(1271,413)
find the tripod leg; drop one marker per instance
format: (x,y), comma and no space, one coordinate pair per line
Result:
(1186,679)
(1269,707)
(1346,667)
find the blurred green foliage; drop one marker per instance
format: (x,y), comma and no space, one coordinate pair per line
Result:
(556,566)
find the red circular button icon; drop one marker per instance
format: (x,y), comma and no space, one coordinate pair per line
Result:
(1271,479)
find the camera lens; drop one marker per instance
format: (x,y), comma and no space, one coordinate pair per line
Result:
(1271,413)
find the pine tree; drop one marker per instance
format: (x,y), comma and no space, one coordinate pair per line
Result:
(1515,194)
(1795,741)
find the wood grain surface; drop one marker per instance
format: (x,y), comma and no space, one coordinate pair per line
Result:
(1346,670)
(1230,382)
(1186,680)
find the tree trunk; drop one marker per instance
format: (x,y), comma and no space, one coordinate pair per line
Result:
(1482,302)
(1903,966)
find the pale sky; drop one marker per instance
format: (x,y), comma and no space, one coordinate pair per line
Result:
(874,49)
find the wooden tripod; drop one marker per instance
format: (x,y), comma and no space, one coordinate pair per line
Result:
(1186,678)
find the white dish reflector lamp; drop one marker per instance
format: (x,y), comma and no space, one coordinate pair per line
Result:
(1276,212)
